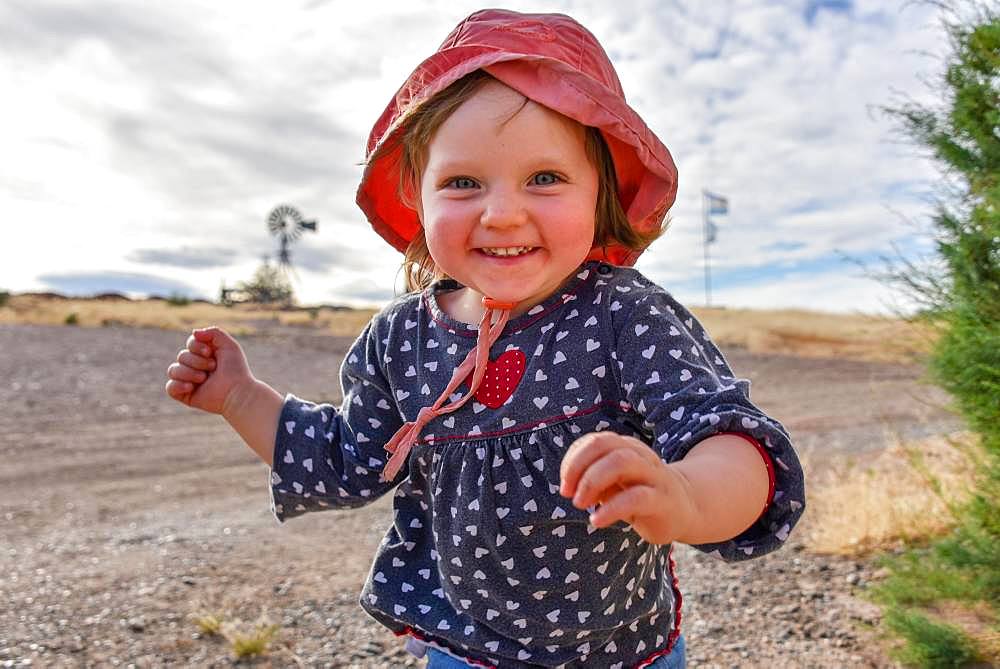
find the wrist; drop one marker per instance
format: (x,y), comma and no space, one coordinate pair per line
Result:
(687,516)
(242,397)
(253,410)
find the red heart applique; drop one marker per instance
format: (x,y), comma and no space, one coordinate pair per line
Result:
(501,378)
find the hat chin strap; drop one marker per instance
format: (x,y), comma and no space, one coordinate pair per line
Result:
(475,362)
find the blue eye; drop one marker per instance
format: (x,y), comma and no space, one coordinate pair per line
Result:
(462,183)
(544,179)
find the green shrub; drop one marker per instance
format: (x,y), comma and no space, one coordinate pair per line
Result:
(72,319)
(178,300)
(931,644)
(961,296)
(269,285)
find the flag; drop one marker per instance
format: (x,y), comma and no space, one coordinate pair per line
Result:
(717,204)
(710,230)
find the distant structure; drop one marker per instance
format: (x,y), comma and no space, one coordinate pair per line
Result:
(286,223)
(711,204)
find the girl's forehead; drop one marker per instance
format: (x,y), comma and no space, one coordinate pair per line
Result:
(497,94)
(498,109)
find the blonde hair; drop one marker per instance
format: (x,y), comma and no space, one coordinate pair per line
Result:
(419,125)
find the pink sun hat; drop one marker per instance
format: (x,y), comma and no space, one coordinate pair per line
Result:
(548,58)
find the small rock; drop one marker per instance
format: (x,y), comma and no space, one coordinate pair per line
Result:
(786,609)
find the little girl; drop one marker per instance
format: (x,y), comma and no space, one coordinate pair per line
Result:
(548,420)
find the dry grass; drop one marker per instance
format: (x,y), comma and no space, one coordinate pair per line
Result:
(817,334)
(249,640)
(906,493)
(208,624)
(245,639)
(240,319)
(801,333)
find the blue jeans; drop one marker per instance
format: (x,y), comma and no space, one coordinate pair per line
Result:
(675,660)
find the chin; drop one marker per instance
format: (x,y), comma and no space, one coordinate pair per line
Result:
(515,294)
(506,295)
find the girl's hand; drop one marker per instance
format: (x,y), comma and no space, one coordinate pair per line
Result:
(631,483)
(208,370)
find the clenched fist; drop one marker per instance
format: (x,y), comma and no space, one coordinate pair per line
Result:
(208,371)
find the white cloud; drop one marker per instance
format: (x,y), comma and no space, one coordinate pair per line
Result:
(181,125)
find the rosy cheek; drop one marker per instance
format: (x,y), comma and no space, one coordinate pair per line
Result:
(569,219)
(448,214)
(445,234)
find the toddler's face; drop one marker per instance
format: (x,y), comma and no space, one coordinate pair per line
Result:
(507,197)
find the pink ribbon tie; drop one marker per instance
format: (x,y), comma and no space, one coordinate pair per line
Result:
(475,362)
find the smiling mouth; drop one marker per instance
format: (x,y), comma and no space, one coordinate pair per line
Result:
(506,251)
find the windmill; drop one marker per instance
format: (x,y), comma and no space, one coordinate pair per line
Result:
(286,223)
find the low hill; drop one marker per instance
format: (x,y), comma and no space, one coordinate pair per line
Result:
(795,332)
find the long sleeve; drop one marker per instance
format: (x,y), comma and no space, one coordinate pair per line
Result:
(325,457)
(678,381)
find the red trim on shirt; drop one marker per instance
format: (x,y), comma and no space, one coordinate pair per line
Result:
(447,327)
(521,427)
(678,601)
(767,463)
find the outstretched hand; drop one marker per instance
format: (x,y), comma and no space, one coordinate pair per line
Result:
(630,483)
(207,370)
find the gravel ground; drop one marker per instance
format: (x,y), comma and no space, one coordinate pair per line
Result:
(123,514)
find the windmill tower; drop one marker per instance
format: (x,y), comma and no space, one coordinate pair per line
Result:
(286,223)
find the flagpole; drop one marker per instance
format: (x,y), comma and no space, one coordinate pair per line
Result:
(708,277)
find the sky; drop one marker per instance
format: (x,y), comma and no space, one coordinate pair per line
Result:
(142,145)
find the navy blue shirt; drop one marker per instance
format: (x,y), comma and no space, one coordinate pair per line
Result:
(484,557)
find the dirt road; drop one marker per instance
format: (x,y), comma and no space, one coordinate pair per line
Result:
(123,512)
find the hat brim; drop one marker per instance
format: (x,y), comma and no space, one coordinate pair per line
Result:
(647,177)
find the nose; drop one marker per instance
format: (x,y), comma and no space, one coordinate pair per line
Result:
(503,209)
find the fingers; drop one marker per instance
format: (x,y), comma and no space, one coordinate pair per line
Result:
(213,336)
(627,505)
(591,448)
(581,453)
(179,390)
(200,348)
(195,361)
(179,372)
(612,471)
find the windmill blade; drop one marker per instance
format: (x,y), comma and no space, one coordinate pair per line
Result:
(285,220)
(286,223)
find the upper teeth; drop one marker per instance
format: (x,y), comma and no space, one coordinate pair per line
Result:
(507,251)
